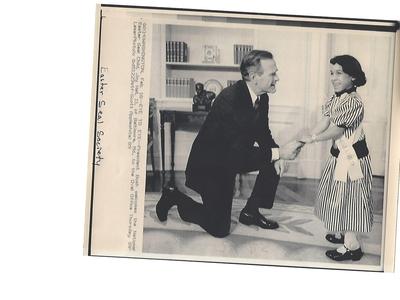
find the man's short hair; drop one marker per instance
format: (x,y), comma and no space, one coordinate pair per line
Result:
(251,62)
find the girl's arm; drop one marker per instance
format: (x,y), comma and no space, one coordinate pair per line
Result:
(321,126)
(324,130)
(333,132)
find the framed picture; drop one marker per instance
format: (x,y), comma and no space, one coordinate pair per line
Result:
(210,54)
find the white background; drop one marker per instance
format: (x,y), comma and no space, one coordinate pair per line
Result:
(45,82)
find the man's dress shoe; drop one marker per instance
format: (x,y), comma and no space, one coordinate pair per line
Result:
(333,239)
(167,200)
(249,218)
(348,255)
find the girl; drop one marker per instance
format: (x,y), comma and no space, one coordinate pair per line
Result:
(344,201)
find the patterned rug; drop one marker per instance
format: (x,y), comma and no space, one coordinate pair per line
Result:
(300,236)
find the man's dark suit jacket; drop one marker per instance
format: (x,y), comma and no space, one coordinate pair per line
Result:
(225,143)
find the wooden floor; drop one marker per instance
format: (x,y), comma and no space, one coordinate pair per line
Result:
(290,190)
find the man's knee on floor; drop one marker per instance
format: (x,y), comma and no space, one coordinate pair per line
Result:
(219,234)
(219,229)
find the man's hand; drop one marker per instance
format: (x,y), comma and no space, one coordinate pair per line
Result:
(280,167)
(290,150)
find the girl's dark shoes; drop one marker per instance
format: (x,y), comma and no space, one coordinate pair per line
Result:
(348,255)
(333,239)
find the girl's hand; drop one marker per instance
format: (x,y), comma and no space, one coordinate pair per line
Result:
(306,139)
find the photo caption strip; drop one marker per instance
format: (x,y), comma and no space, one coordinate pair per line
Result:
(120,136)
(137,131)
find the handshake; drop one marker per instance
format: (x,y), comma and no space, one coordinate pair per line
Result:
(291,150)
(287,152)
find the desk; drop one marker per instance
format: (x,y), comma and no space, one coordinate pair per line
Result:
(180,120)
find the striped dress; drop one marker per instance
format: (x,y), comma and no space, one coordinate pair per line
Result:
(345,206)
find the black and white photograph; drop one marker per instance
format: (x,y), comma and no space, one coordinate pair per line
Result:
(268,140)
(269,146)
(199,149)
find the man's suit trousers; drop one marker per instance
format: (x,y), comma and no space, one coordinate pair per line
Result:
(214,214)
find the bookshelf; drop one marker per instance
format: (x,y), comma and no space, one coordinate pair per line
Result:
(194,66)
(201,66)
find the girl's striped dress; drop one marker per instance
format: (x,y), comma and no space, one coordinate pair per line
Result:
(345,206)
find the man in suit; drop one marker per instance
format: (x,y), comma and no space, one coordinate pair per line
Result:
(235,138)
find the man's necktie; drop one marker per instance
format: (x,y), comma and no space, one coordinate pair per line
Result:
(257,103)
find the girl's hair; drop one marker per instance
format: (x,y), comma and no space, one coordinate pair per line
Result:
(352,67)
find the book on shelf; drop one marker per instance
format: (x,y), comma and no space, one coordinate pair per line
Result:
(176,51)
(239,51)
(179,87)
